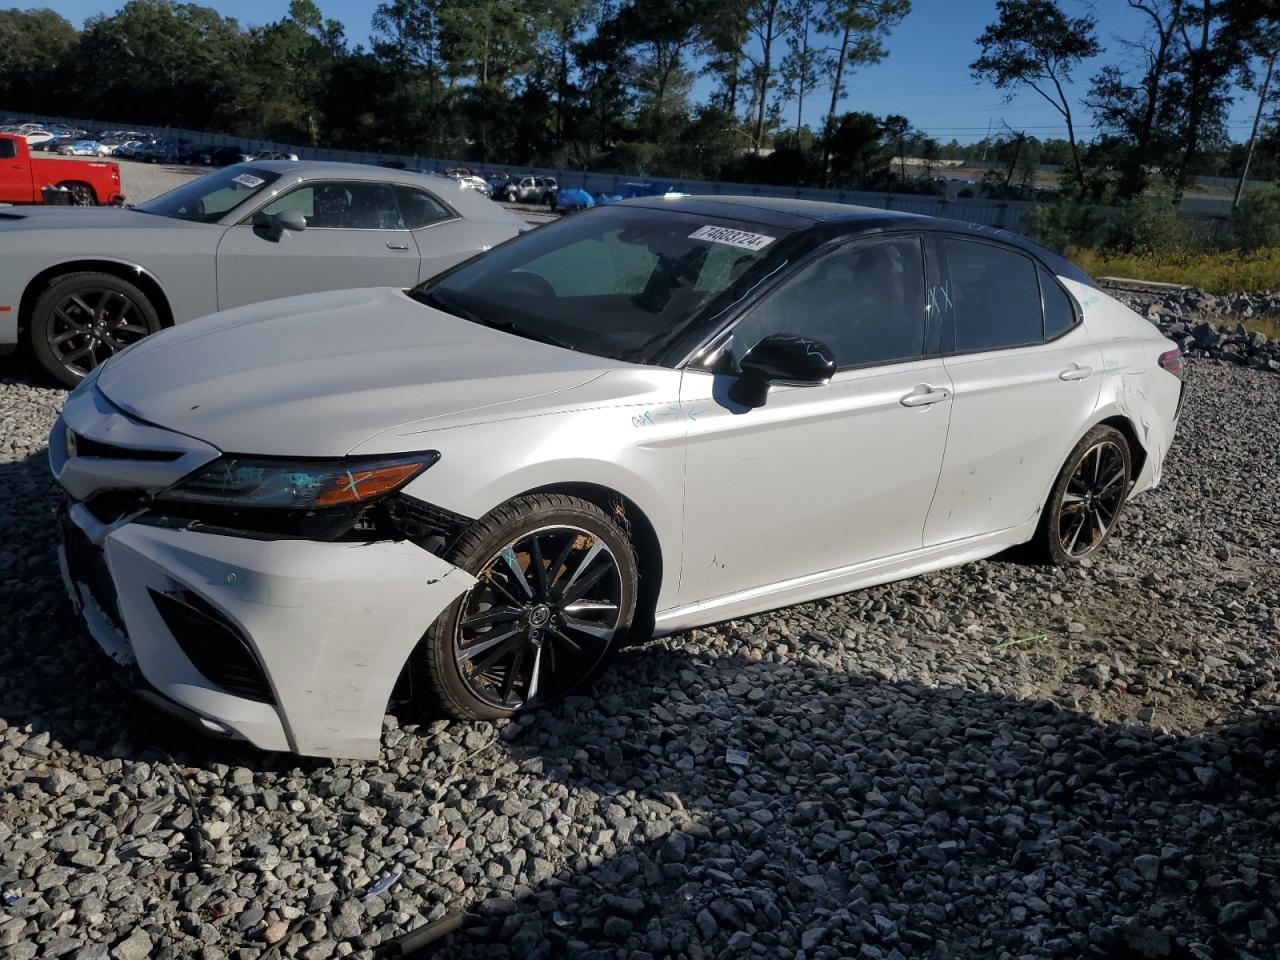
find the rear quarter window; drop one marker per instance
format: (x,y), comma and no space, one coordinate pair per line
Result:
(1059,313)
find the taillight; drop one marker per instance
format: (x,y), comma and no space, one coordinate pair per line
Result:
(1172,361)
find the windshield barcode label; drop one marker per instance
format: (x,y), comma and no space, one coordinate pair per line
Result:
(734,238)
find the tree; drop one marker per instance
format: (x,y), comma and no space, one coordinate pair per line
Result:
(35,44)
(1211,49)
(163,62)
(856,151)
(293,63)
(1034,44)
(860,28)
(799,70)
(896,129)
(767,22)
(1140,110)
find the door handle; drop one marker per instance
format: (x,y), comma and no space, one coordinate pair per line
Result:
(924,395)
(1076,372)
(397,246)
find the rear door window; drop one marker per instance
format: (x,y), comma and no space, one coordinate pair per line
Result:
(994,296)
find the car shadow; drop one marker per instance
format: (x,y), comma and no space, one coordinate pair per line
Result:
(715,798)
(934,821)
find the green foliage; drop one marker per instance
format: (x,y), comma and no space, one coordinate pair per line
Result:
(1221,271)
(1256,221)
(1071,220)
(1149,224)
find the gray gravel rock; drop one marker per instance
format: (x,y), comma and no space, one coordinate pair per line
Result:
(1211,326)
(914,789)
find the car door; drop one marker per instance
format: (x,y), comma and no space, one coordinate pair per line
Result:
(15,174)
(354,237)
(1026,376)
(820,477)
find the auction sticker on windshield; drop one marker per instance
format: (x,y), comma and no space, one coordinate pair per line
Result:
(734,238)
(248,180)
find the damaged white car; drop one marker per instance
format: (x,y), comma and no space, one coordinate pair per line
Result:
(658,414)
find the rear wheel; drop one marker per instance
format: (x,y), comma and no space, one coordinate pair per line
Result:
(556,587)
(1085,503)
(82,194)
(81,319)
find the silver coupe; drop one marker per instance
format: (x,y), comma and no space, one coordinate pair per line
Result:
(81,285)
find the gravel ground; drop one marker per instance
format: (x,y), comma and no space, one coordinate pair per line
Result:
(996,761)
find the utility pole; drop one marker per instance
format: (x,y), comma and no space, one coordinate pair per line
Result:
(1253,135)
(986,141)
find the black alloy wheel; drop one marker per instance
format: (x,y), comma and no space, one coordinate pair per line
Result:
(556,582)
(82,319)
(1087,497)
(543,614)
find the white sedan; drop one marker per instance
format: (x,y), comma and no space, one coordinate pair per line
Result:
(659,414)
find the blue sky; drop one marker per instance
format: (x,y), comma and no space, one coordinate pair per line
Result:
(925,77)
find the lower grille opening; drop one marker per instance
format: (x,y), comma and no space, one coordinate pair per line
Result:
(87,565)
(213,645)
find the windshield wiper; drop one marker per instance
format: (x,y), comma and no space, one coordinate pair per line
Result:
(433,299)
(508,326)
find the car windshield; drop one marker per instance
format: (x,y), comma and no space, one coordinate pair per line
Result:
(209,198)
(619,282)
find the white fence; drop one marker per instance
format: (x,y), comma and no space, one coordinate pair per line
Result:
(1008,214)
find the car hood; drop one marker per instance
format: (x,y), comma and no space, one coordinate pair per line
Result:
(88,218)
(315,375)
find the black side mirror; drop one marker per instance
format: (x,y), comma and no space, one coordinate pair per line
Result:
(781,358)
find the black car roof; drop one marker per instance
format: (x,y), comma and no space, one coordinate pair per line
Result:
(847,218)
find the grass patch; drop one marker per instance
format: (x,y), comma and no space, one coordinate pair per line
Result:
(1217,272)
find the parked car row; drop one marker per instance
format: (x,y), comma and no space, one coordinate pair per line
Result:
(134,145)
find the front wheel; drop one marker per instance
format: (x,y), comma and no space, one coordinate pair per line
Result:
(81,319)
(556,583)
(1085,502)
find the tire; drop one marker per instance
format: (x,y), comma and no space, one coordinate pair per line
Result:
(82,194)
(485,671)
(81,319)
(1087,498)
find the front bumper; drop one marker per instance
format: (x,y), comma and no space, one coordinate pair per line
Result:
(290,644)
(330,625)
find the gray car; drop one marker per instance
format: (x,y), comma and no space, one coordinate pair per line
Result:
(80,285)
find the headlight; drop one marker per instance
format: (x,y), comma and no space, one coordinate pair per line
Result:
(301,485)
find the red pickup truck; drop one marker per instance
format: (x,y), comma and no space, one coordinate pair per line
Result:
(24,179)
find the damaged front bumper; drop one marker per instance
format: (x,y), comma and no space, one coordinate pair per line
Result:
(288,643)
(311,637)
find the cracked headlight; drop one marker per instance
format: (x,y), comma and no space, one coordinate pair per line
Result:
(297,485)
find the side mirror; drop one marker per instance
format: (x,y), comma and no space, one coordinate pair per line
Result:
(781,358)
(291,220)
(274,225)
